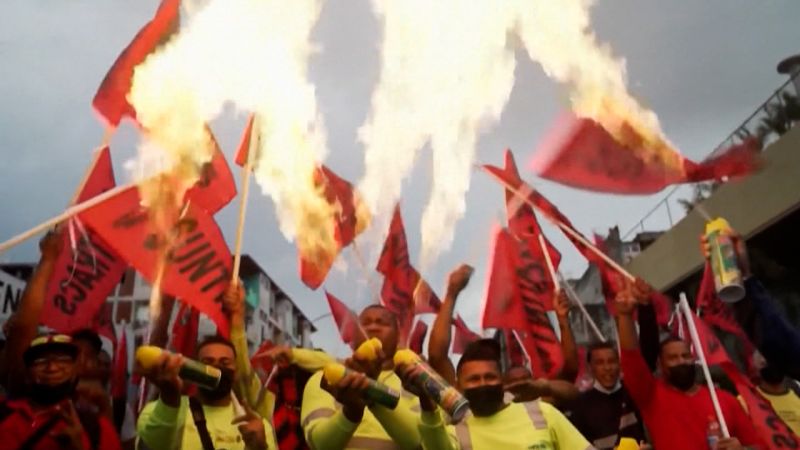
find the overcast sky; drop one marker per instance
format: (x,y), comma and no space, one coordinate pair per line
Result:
(703,66)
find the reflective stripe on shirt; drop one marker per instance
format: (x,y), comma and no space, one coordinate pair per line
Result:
(534,413)
(320,413)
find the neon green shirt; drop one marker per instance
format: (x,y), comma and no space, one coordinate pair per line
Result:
(519,426)
(163,427)
(326,427)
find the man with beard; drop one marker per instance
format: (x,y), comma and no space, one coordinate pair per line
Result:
(494,424)
(45,418)
(676,410)
(338,417)
(207,421)
(605,413)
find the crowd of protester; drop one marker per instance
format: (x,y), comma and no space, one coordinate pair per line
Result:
(56,388)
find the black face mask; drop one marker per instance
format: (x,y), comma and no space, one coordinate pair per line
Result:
(485,400)
(682,376)
(223,389)
(771,375)
(48,395)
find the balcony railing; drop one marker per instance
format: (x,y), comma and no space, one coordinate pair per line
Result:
(777,115)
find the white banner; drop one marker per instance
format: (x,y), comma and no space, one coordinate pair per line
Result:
(10,294)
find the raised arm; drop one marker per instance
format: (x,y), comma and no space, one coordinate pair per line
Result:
(638,379)
(248,384)
(648,325)
(22,326)
(440,338)
(568,346)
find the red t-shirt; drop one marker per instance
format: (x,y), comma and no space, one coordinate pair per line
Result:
(22,422)
(675,419)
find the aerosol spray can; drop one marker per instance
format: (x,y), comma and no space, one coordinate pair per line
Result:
(194,371)
(727,276)
(376,392)
(451,401)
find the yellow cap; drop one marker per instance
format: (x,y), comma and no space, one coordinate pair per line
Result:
(334,373)
(719,225)
(147,355)
(368,350)
(628,444)
(405,356)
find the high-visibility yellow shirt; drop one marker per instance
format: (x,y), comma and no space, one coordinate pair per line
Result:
(326,427)
(532,425)
(164,427)
(787,406)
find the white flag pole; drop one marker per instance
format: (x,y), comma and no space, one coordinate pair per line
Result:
(698,348)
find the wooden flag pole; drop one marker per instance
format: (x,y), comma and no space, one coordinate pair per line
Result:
(69,212)
(255,140)
(525,196)
(687,312)
(549,263)
(574,296)
(560,283)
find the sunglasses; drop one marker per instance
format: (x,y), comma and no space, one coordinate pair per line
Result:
(57,360)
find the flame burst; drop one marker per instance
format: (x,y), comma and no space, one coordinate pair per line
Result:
(253,54)
(447,73)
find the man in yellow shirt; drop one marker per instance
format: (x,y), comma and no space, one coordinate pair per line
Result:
(336,418)
(494,424)
(781,393)
(210,420)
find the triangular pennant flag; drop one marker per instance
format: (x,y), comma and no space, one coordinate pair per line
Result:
(119,369)
(418,337)
(521,217)
(111,101)
(185,330)
(216,187)
(346,320)
(85,276)
(404,291)
(198,267)
(513,301)
(579,152)
(349,222)
(244,144)
(463,336)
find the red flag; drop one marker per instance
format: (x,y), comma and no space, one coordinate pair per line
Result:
(103,323)
(514,351)
(418,337)
(514,301)
(244,144)
(521,218)
(346,320)
(119,371)
(719,315)
(216,187)
(774,432)
(463,336)
(579,152)
(402,281)
(185,330)
(111,101)
(262,365)
(198,267)
(82,279)
(712,348)
(314,268)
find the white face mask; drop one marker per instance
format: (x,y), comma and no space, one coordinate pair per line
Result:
(600,387)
